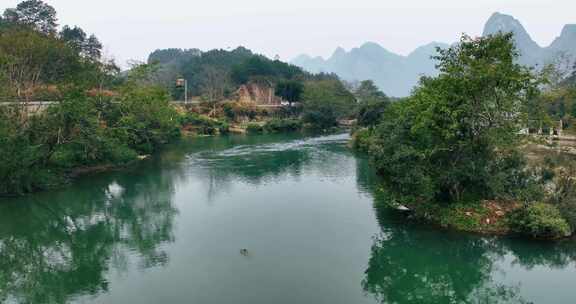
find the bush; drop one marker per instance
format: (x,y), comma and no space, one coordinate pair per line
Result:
(370,113)
(540,220)
(254,127)
(565,193)
(148,117)
(282,125)
(203,124)
(362,140)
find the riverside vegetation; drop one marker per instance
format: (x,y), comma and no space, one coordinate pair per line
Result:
(452,152)
(103,117)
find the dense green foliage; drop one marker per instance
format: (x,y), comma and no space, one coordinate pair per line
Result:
(90,125)
(541,221)
(33,14)
(457,131)
(325,102)
(260,67)
(223,71)
(282,125)
(290,90)
(453,147)
(371,104)
(275,126)
(102,118)
(558,103)
(203,125)
(82,131)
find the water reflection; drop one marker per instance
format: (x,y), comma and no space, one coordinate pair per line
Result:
(405,267)
(66,246)
(262,160)
(62,246)
(56,246)
(415,263)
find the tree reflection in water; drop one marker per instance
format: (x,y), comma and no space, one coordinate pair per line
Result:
(58,246)
(416,263)
(408,267)
(61,245)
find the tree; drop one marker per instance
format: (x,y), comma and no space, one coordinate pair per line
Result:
(74,37)
(30,58)
(35,14)
(290,90)
(93,48)
(261,67)
(325,102)
(368,90)
(371,103)
(458,130)
(3,22)
(214,86)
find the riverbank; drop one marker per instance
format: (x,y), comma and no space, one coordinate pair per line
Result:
(485,217)
(544,209)
(61,172)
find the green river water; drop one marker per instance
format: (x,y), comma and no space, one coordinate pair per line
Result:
(172,228)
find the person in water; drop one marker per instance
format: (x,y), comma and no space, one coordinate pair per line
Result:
(244,252)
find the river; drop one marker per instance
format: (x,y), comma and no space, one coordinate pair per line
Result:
(256,219)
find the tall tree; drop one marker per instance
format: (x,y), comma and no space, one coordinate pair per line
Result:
(34,13)
(325,102)
(290,90)
(93,48)
(214,85)
(30,58)
(75,37)
(457,134)
(371,103)
(368,90)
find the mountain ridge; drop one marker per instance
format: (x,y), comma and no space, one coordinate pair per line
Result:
(397,74)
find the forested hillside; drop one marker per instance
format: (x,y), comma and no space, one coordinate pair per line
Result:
(221,69)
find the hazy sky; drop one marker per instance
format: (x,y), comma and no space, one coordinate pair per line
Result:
(131,29)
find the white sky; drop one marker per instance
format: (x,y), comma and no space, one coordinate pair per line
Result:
(131,29)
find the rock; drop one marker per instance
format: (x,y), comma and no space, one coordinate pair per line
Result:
(402,208)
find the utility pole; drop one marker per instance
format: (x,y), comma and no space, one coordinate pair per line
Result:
(185,91)
(183,82)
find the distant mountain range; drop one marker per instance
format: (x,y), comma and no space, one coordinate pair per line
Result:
(396,75)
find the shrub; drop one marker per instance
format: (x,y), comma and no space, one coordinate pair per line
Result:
(223,127)
(239,111)
(149,117)
(565,194)
(203,124)
(362,140)
(282,125)
(254,128)
(370,112)
(540,220)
